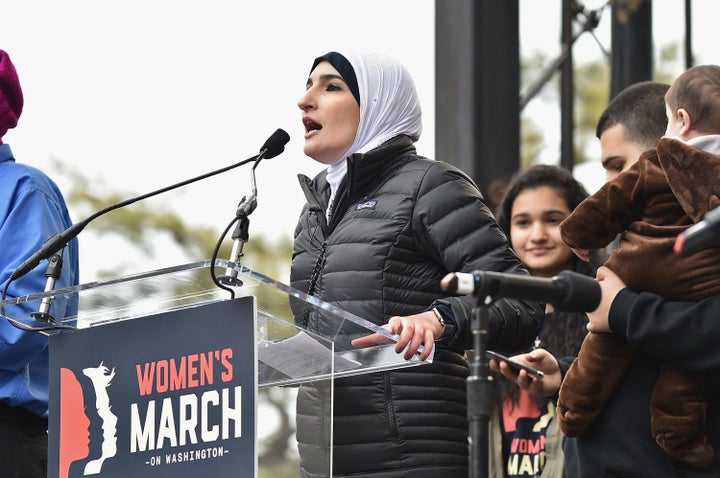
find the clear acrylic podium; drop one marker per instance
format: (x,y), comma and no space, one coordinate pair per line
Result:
(286,354)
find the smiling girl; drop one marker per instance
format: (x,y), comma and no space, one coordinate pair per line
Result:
(526,440)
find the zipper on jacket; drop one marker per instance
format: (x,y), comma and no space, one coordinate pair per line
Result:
(313,282)
(390,405)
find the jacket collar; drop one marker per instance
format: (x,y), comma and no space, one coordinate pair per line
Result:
(5,153)
(364,169)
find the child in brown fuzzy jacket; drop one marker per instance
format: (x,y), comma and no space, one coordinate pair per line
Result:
(668,190)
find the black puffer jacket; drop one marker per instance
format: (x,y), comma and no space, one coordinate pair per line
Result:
(401,223)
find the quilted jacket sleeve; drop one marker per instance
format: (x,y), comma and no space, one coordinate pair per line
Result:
(452,221)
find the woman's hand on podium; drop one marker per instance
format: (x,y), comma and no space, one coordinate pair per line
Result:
(416,334)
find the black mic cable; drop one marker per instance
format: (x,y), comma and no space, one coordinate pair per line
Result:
(272,147)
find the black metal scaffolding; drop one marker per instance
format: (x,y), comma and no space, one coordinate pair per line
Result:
(477,64)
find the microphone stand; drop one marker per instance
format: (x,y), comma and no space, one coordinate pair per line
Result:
(568,291)
(53,271)
(274,145)
(480,387)
(241,235)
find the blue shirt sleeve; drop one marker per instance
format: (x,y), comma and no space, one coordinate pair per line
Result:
(31,211)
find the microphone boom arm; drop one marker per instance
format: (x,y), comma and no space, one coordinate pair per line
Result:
(59,241)
(241,233)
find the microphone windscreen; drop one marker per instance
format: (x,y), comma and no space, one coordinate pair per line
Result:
(581,293)
(275,144)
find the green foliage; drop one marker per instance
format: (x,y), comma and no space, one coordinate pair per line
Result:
(668,61)
(532,142)
(532,67)
(287,469)
(592,94)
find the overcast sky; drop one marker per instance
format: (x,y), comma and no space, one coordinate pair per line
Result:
(140,94)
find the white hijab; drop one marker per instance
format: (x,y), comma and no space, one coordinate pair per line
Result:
(389,106)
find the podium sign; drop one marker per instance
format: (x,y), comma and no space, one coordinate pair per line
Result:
(166,395)
(159,371)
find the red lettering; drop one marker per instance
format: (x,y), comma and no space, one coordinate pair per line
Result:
(145,377)
(192,370)
(226,355)
(523,446)
(188,371)
(161,380)
(206,368)
(530,447)
(178,375)
(533,446)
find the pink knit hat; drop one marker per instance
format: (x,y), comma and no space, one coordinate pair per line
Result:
(11,97)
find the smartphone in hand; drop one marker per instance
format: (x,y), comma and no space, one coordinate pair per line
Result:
(517,366)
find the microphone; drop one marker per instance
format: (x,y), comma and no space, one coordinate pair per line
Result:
(699,236)
(568,291)
(274,145)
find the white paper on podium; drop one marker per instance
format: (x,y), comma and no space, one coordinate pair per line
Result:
(301,356)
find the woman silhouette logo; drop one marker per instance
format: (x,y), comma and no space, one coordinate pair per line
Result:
(74,421)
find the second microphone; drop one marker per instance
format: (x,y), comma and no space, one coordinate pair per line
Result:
(568,291)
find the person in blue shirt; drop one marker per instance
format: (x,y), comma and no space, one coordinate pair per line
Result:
(32,209)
